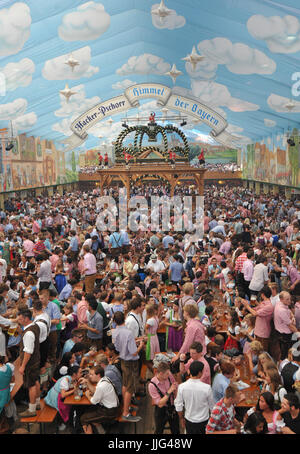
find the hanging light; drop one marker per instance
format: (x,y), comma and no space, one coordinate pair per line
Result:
(291,141)
(9,146)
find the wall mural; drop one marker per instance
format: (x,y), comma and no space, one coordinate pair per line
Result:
(34,163)
(273,160)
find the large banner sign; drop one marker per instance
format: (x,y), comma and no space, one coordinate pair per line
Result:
(165,98)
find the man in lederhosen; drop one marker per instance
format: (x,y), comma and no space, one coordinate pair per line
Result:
(43,320)
(30,360)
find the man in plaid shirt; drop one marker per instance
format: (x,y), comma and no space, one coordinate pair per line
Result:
(241,259)
(239,263)
(222,417)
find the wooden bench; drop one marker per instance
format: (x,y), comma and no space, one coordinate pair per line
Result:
(119,419)
(44,416)
(47,416)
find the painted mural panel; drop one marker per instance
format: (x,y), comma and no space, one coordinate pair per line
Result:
(32,163)
(273,160)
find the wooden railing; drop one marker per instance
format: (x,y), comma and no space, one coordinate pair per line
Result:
(209,175)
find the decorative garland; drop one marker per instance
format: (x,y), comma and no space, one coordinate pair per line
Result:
(186,150)
(140,131)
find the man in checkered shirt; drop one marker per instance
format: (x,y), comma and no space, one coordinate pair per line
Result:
(239,263)
(222,418)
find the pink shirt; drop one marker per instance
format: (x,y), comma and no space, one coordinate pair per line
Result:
(247,270)
(293,274)
(225,247)
(89,263)
(36,227)
(28,246)
(53,259)
(282,318)
(206,221)
(205,377)
(263,320)
(81,311)
(163,386)
(297,315)
(194,333)
(289,231)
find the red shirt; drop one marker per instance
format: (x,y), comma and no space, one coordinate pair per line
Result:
(39,247)
(220,418)
(240,262)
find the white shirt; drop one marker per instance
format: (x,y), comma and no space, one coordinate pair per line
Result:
(4,367)
(28,340)
(133,322)
(196,398)
(44,329)
(73,225)
(260,276)
(156,267)
(274,300)
(13,295)
(65,384)
(88,242)
(105,394)
(3,268)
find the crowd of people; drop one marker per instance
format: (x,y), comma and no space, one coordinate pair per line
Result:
(224,167)
(84,311)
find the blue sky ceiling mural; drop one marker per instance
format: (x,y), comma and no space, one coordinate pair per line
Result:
(240,58)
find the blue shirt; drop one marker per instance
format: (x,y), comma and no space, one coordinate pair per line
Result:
(48,244)
(219,229)
(54,313)
(68,345)
(74,244)
(113,373)
(95,321)
(176,269)
(125,344)
(115,240)
(125,237)
(8,227)
(167,240)
(66,292)
(212,224)
(219,386)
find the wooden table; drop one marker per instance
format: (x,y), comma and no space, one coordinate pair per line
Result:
(251,397)
(70,400)
(253,392)
(222,323)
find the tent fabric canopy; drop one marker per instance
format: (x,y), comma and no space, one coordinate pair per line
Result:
(248,70)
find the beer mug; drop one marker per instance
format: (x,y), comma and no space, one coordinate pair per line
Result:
(77,394)
(279,425)
(12,329)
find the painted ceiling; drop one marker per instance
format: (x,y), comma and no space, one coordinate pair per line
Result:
(248,73)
